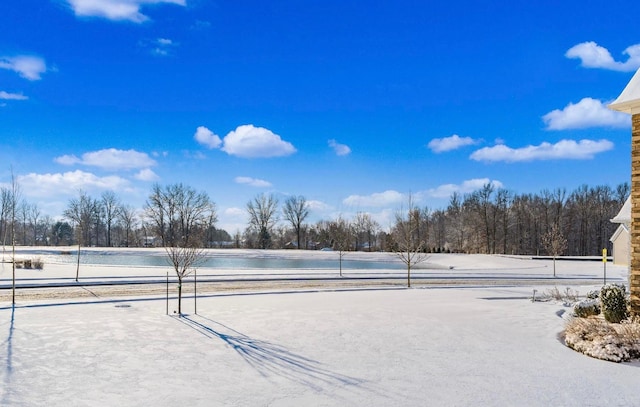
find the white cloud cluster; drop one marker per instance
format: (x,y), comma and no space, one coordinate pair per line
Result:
(69,183)
(593,55)
(254,182)
(146,175)
(27,66)
(378,199)
(117,10)
(390,199)
(563,149)
(111,159)
(207,138)
(339,149)
(162,47)
(586,113)
(440,145)
(319,206)
(468,186)
(246,141)
(12,96)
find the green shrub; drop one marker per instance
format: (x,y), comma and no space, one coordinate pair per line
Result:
(587,308)
(593,295)
(614,302)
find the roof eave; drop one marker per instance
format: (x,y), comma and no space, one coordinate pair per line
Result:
(631,107)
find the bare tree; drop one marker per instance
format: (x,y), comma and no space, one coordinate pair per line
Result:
(34,219)
(15,197)
(340,231)
(184,260)
(111,207)
(296,210)
(81,211)
(554,243)
(23,209)
(127,218)
(6,201)
(409,247)
(455,221)
(262,217)
(181,216)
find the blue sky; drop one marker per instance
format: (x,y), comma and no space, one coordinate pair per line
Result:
(352,104)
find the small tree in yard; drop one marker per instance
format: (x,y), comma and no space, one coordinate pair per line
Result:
(184,260)
(554,243)
(409,248)
(340,233)
(181,216)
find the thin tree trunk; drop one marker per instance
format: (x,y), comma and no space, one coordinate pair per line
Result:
(179,297)
(409,268)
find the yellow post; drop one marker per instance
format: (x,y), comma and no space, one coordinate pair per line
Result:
(604,261)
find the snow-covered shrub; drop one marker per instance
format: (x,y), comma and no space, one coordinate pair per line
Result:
(593,295)
(568,296)
(614,303)
(37,263)
(587,308)
(600,339)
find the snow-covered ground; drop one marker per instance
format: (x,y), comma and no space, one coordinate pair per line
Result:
(481,346)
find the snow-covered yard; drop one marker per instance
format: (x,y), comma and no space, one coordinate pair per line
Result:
(376,348)
(482,346)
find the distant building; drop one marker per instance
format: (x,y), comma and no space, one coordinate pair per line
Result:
(621,238)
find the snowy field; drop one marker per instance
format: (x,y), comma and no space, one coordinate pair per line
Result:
(444,346)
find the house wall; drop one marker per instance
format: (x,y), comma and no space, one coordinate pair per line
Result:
(621,248)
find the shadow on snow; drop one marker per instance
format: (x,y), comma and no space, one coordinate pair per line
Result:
(267,357)
(9,363)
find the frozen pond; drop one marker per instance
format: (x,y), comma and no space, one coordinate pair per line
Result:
(227,259)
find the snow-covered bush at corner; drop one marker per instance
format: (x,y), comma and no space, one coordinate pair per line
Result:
(586,308)
(593,295)
(614,303)
(602,340)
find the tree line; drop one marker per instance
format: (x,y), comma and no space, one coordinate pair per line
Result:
(490,220)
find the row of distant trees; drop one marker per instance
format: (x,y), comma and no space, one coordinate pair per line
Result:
(489,220)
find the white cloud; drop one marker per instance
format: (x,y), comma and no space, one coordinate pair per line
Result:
(378,199)
(254,182)
(468,186)
(28,67)
(315,205)
(564,149)
(439,145)
(146,175)
(207,138)
(586,113)
(232,220)
(110,158)
(69,183)
(12,96)
(67,159)
(163,47)
(340,149)
(593,55)
(117,10)
(250,142)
